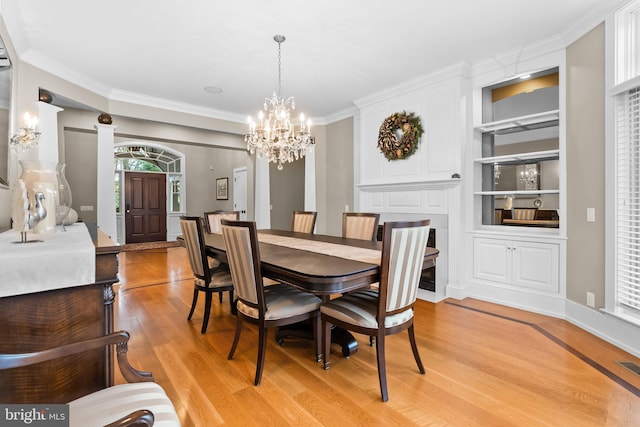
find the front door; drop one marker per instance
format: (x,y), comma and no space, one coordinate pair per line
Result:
(145,215)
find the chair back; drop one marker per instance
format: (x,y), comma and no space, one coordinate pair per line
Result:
(303,222)
(192,232)
(212,219)
(403,248)
(524,213)
(360,225)
(243,257)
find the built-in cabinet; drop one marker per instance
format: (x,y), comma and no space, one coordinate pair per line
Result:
(517,263)
(517,245)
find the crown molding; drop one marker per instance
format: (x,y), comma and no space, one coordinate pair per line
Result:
(166,104)
(340,115)
(600,12)
(458,70)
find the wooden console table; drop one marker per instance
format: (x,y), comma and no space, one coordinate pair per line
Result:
(36,321)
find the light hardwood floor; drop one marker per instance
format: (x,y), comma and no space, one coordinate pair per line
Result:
(487,365)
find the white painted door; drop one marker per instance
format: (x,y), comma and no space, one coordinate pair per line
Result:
(240,192)
(492,259)
(535,265)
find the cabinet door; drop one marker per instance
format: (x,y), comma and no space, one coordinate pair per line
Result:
(492,259)
(535,265)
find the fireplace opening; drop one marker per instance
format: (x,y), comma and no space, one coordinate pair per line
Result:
(428,278)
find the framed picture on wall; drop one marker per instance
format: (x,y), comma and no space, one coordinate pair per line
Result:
(222,189)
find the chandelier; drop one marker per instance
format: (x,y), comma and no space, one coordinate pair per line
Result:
(529,176)
(274,137)
(28,136)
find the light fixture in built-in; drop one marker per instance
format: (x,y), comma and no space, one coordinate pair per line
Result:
(525,76)
(274,136)
(213,89)
(28,136)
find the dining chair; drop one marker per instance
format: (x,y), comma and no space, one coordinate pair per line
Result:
(360,225)
(388,309)
(266,306)
(303,222)
(138,402)
(524,213)
(206,279)
(212,219)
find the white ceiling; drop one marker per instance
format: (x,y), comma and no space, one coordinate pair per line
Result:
(336,52)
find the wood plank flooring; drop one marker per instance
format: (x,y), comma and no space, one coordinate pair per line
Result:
(487,365)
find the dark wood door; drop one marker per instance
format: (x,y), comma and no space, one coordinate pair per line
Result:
(145,207)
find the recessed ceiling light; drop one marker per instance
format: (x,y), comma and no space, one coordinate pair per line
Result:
(212,89)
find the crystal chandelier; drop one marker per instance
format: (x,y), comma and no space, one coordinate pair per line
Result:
(274,136)
(28,136)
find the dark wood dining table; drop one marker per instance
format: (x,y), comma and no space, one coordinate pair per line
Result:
(321,274)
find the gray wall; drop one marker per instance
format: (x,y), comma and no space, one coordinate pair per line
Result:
(339,176)
(585,60)
(287,193)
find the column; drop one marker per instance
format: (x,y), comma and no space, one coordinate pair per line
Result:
(262,194)
(48,127)
(310,180)
(106,189)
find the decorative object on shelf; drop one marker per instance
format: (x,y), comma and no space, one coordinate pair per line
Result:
(399,135)
(28,136)
(105,119)
(274,136)
(25,216)
(63,205)
(496,173)
(537,203)
(40,177)
(222,189)
(45,96)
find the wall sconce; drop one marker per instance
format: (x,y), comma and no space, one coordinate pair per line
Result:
(28,136)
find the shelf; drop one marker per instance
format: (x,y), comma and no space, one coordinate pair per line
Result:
(520,157)
(516,193)
(522,123)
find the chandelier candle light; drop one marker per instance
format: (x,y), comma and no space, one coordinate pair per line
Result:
(27,137)
(274,136)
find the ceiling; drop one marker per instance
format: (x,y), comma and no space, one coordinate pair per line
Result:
(336,52)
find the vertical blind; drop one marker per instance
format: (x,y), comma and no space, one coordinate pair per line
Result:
(628,202)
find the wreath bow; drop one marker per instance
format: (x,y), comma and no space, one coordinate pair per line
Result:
(399,135)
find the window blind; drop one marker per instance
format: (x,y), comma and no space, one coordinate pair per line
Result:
(628,202)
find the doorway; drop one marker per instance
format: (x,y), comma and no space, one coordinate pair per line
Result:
(145,207)
(240,192)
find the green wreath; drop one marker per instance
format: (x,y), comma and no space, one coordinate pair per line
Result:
(405,125)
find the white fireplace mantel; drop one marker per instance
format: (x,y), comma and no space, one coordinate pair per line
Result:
(431,184)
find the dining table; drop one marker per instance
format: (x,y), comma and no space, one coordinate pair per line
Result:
(324,265)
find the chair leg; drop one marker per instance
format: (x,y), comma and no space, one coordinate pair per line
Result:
(193,303)
(382,366)
(207,312)
(326,343)
(414,347)
(317,336)
(236,338)
(262,348)
(232,303)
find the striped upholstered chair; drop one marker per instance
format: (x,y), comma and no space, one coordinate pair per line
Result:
(388,309)
(303,222)
(266,306)
(360,225)
(206,278)
(212,219)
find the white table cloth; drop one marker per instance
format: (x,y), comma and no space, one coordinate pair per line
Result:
(61,260)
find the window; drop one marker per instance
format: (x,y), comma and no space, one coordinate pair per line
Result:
(627,164)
